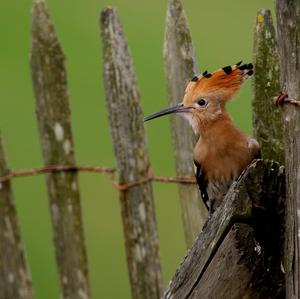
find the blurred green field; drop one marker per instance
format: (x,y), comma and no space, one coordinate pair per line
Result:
(222,33)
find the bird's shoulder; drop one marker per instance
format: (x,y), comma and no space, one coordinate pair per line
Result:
(254,148)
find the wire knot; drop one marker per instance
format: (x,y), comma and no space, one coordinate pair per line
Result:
(283,98)
(122,187)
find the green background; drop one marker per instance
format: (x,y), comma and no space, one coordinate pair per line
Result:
(222,33)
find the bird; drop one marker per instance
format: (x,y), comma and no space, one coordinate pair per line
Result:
(222,150)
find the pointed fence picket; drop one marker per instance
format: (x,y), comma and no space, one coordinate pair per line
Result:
(130,147)
(15,280)
(288,28)
(266,117)
(180,67)
(52,107)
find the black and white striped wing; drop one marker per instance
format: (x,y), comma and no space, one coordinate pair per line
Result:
(202,184)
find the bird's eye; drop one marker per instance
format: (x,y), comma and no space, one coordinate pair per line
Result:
(202,102)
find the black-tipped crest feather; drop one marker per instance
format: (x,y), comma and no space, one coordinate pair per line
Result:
(227,69)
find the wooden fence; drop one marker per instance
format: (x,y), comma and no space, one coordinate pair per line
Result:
(239,253)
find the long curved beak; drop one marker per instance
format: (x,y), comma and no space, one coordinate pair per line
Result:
(179,108)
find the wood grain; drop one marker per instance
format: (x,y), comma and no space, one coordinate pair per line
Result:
(54,120)
(130,148)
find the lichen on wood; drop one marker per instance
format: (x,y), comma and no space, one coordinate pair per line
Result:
(266,85)
(130,148)
(54,121)
(180,67)
(15,280)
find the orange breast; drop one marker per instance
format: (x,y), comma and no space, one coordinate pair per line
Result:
(222,152)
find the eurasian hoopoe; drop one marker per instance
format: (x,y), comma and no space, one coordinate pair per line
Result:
(222,151)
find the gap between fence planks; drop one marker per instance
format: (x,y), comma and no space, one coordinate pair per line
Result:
(288,28)
(51,92)
(180,67)
(130,148)
(15,280)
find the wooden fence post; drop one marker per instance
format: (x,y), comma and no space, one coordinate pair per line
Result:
(238,253)
(180,67)
(129,139)
(15,280)
(266,117)
(50,88)
(288,27)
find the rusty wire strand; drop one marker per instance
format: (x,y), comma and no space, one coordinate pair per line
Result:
(95,169)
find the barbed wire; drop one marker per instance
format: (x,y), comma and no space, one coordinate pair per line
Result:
(96,169)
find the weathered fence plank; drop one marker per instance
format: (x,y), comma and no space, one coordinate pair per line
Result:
(180,67)
(15,280)
(230,279)
(50,88)
(256,199)
(129,139)
(266,117)
(288,27)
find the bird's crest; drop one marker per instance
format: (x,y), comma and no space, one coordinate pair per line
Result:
(221,84)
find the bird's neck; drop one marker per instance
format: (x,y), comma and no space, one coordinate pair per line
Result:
(216,137)
(212,128)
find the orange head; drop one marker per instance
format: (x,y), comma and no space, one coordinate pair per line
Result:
(206,95)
